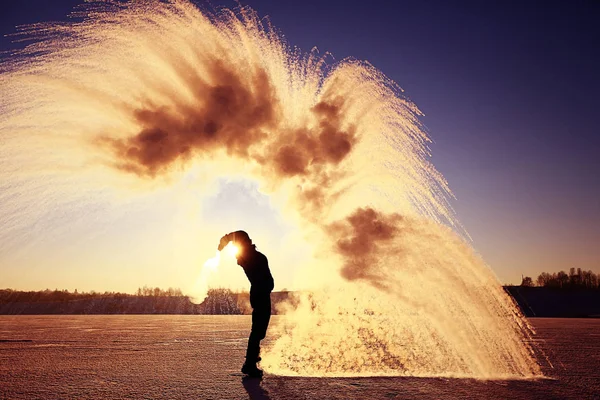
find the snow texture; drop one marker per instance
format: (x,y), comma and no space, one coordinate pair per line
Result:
(199,357)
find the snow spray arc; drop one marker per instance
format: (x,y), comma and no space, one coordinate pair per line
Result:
(151,88)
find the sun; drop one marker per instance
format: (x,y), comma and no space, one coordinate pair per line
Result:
(232,249)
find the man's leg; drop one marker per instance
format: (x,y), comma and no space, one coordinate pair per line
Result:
(254,339)
(261,315)
(262,320)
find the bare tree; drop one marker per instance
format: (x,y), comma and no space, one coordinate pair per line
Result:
(527,281)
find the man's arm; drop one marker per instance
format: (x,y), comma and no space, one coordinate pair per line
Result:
(224,241)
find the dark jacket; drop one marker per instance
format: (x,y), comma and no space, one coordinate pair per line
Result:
(256,267)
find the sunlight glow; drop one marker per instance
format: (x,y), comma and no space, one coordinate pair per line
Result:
(232,249)
(213,263)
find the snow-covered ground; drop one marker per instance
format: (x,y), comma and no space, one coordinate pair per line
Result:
(199,357)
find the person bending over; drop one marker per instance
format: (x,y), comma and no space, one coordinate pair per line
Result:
(256,267)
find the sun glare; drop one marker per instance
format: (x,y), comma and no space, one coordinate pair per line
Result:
(232,249)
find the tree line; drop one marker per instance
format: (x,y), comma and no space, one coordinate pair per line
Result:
(575,279)
(10,295)
(146,300)
(158,292)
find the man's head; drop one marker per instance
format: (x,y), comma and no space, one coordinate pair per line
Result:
(239,238)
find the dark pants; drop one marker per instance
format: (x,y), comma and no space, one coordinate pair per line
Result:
(261,314)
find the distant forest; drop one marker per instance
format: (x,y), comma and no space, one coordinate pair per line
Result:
(573,294)
(559,295)
(145,301)
(575,279)
(9,295)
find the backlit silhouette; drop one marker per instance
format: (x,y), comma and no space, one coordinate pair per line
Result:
(256,267)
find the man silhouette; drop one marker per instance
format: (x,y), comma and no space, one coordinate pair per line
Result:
(256,267)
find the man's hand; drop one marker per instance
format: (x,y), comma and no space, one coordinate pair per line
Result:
(224,241)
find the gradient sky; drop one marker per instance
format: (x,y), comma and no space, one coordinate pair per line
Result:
(510,96)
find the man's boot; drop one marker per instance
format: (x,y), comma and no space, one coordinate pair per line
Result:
(250,369)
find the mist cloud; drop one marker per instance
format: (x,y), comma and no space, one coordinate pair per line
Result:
(241,115)
(230,114)
(363,236)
